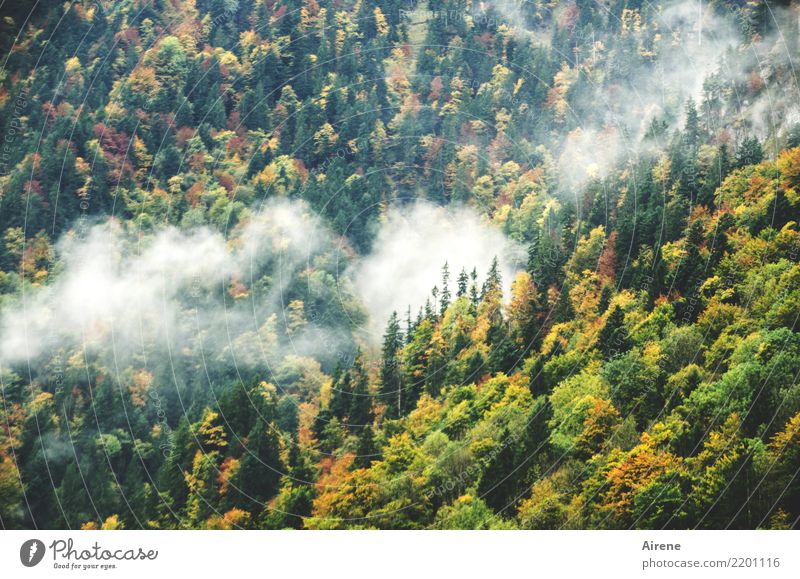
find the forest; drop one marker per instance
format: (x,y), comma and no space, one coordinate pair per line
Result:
(398,264)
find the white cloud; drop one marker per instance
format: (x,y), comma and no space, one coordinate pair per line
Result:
(113,290)
(413,244)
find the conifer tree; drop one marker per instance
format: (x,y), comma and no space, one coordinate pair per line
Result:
(366,451)
(474,297)
(613,338)
(261,467)
(360,412)
(391,380)
(463,282)
(444,302)
(749,152)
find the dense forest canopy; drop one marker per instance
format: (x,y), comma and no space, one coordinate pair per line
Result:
(395,264)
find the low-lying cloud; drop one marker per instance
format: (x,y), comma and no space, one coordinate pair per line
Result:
(688,50)
(196,292)
(413,244)
(125,290)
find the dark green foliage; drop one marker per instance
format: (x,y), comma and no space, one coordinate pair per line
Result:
(391,381)
(613,338)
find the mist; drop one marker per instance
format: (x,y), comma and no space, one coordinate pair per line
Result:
(130,293)
(127,296)
(691,51)
(413,244)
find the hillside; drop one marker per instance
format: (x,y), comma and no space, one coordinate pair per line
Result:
(575,224)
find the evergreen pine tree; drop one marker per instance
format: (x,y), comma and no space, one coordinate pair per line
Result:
(360,412)
(563,311)
(391,380)
(474,297)
(444,302)
(366,451)
(749,152)
(463,281)
(613,338)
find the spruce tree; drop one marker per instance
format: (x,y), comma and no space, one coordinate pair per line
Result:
(563,312)
(444,302)
(367,450)
(749,152)
(474,297)
(613,338)
(463,282)
(261,466)
(391,380)
(360,412)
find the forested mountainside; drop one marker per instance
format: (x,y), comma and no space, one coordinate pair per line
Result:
(188,188)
